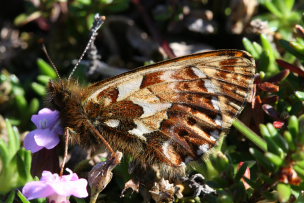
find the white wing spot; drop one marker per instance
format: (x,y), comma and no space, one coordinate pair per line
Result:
(128,87)
(150,108)
(202,149)
(215,102)
(209,86)
(165,148)
(113,123)
(234,105)
(218,120)
(140,130)
(240,92)
(166,76)
(198,72)
(215,135)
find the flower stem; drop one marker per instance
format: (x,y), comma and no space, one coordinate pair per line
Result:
(252,136)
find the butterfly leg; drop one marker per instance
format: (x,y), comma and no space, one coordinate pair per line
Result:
(66,146)
(105,142)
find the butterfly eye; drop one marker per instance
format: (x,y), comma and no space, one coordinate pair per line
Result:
(57,94)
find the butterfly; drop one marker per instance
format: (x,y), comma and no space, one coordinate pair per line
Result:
(163,115)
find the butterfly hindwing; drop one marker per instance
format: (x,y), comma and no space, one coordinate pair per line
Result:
(177,108)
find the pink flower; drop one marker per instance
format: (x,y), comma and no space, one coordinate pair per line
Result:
(278,124)
(46,134)
(246,175)
(57,189)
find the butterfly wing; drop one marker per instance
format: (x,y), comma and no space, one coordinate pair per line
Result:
(176,108)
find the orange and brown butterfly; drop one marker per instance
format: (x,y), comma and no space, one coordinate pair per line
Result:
(164,114)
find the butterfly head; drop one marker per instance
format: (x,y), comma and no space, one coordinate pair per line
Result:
(57,92)
(60,93)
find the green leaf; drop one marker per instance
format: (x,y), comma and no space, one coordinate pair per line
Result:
(275,159)
(286,44)
(284,192)
(280,4)
(264,131)
(17,137)
(300,164)
(250,48)
(260,158)
(21,103)
(276,137)
(24,18)
(46,69)
(20,168)
(300,199)
(258,48)
(271,129)
(21,19)
(266,43)
(90,20)
(4,153)
(272,8)
(299,170)
(219,161)
(274,148)
(106,1)
(44,79)
(84,2)
(289,139)
(27,163)
(293,127)
(252,136)
(34,106)
(299,47)
(301,129)
(11,197)
(300,95)
(298,156)
(22,197)
(12,145)
(289,4)
(38,88)
(271,144)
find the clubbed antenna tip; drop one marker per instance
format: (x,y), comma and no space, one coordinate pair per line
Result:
(98,21)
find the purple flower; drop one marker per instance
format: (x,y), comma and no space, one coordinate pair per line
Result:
(57,189)
(46,134)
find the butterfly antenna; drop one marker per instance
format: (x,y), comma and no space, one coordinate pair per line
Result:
(98,21)
(50,60)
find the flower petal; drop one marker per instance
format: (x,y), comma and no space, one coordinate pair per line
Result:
(46,118)
(47,176)
(71,177)
(30,143)
(46,138)
(37,189)
(55,187)
(57,128)
(77,188)
(58,198)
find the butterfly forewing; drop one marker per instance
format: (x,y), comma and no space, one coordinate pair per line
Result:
(175,109)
